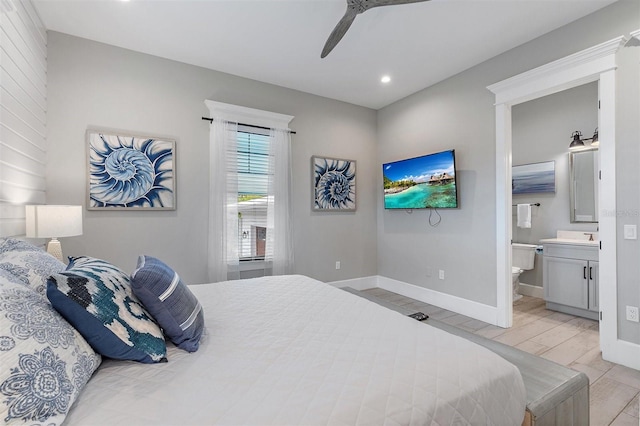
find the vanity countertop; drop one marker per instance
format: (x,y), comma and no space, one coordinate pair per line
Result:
(579,238)
(570,241)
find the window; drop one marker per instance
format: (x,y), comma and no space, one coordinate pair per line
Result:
(253,184)
(249,192)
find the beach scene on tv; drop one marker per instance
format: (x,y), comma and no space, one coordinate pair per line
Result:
(422,182)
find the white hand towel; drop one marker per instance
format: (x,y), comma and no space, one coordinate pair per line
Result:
(524,215)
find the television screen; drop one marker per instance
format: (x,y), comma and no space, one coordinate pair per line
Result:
(422,182)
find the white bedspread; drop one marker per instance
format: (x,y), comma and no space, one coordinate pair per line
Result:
(294,351)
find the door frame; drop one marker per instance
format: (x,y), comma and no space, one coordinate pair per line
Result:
(597,63)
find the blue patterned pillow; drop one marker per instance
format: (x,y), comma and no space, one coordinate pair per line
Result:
(95,297)
(31,264)
(170,302)
(45,361)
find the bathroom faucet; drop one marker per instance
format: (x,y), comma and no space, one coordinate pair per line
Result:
(590,234)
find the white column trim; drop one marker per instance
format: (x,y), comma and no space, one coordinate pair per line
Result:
(608,295)
(504,294)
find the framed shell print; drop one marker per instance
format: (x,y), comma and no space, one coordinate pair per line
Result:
(130,172)
(334,184)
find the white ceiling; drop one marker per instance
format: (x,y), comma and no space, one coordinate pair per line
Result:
(279,41)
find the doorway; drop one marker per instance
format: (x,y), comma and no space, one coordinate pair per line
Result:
(593,64)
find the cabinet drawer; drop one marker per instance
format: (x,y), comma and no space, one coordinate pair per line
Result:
(571,251)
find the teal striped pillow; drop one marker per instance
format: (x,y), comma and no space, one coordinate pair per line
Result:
(169,301)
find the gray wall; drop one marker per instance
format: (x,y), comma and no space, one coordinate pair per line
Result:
(459,113)
(541,131)
(92,84)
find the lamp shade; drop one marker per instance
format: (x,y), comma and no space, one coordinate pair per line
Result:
(46,221)
(576,141)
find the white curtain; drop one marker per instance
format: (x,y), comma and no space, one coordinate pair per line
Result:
(279,244)
(223,202)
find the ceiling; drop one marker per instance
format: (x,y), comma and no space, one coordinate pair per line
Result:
(279,41)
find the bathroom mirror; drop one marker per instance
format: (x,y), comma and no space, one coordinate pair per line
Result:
(583,185)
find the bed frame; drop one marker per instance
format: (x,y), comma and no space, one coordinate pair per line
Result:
(556,395)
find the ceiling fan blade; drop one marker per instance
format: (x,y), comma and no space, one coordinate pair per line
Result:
(376,3)
(339,31)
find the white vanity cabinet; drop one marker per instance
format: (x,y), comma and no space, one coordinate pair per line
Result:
(570,278)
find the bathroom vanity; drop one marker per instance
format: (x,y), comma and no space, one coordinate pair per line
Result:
(570,273)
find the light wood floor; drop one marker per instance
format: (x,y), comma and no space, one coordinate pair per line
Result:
(572,341)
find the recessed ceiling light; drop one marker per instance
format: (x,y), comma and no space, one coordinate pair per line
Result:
(385,79)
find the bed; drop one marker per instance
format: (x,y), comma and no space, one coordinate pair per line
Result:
(290,350)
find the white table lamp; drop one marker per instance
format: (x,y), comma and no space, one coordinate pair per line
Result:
(45,221)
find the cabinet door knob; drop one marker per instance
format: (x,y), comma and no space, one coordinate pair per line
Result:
(584,272)
(590,272)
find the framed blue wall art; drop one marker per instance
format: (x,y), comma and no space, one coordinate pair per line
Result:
(130,172)
(333,184)
(534,178)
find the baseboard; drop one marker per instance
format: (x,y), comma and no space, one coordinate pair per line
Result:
(357,283)
(482,312)
(531,290)
(623,352)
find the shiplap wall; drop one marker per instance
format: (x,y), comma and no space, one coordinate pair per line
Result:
(23,113)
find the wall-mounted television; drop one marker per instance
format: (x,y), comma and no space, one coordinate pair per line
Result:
(422,182)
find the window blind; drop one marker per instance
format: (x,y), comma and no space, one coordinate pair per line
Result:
(253,183)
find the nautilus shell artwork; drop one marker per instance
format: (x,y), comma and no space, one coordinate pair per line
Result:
(334,184)
(131,172)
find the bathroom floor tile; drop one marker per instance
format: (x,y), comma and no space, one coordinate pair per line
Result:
(624,419)
(473,325)
(593,373)
(633,408)
(626,375)
(532,347)
(568,351)
(456,319)
(556,335)
(607,400)
(517,335)
(490,331)
(583,323)
(593,358)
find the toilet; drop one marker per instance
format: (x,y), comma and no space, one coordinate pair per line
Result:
(522,259)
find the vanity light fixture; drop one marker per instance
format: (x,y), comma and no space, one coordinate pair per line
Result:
(594,140)
(577,143)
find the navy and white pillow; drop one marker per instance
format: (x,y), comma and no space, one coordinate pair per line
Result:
(45,361)
(31,264)
(96,298)
(170,302)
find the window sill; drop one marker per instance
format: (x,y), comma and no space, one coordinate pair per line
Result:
(253,265)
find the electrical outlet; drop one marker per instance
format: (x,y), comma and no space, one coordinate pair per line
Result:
(337,264)
(441,274)
(630,232)
(632,314)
